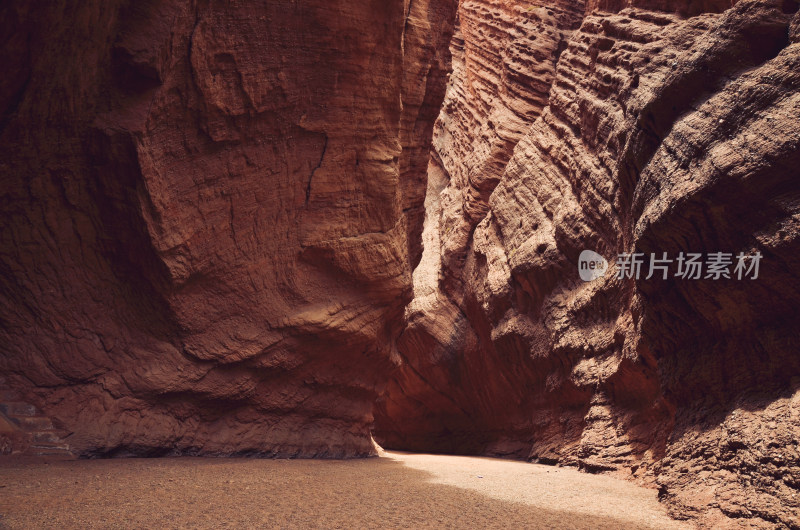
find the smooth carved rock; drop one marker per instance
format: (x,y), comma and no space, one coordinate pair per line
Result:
(208,212)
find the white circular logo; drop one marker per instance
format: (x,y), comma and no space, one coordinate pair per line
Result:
(591,265)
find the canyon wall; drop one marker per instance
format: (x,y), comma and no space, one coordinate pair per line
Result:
(210,216)
(212,211)
(616,126)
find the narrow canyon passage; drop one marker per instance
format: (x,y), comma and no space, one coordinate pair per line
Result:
(279,229)
(397,490)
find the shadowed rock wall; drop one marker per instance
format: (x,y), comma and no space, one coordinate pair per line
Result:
(209,216)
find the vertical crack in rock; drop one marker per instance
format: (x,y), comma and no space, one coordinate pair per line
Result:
(311,176)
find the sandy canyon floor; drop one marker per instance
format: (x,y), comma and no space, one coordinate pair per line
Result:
(397,490)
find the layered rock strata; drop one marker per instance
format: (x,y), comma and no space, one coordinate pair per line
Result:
(657,127)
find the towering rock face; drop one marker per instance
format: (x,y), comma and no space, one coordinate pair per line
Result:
(659,127)
(504,61)
(207,209)
(212,210)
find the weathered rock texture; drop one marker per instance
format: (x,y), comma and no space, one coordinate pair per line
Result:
(618,126)
(206,214)
(211,212)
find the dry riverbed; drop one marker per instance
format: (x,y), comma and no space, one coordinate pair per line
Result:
(397,491)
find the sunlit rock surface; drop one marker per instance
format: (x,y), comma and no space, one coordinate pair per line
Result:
(655,127)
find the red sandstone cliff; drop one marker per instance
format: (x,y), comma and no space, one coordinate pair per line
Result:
(211,214)
(208,210)
(652,127)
